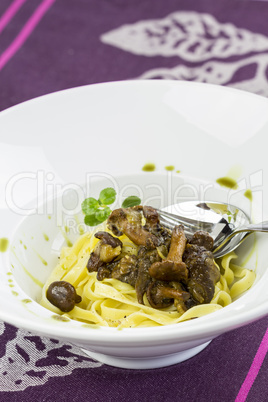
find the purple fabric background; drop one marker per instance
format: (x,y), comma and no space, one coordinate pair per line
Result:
(65,51)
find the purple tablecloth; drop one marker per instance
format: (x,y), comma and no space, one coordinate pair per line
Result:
(49,45)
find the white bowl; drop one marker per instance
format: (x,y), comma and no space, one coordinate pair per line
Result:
(62,147)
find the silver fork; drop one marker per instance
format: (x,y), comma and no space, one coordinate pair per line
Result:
(227,224)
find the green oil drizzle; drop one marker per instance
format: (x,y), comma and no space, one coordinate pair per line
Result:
(9,273)
(60,318)
(227,182)
(4,243)
(40,258)
(169,168)
(67,230)
(230,180)
(36,281)
(81,229)
(79,226)
(248,194)
(68,241)
(11,286)
(46,237)
(94,326)
(149,167)
(14,293)
(25,247)
(49,216)
(178,171)
(26,301)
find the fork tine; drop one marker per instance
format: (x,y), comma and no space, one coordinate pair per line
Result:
(170,226)
(190,225)
(176,219)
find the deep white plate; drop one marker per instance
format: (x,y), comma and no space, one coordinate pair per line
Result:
(71,144)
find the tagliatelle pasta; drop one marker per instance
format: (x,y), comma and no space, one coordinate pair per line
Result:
(113,303)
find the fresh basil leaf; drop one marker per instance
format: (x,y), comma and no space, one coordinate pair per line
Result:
(131,201)
(107,196)
(103,214)
(91,220)
(90,206)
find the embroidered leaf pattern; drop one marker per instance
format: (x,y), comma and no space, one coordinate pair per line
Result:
(216,72)
(190,35)
(30,360)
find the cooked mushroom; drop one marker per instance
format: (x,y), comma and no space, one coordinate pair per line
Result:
(105,251)
(125,269)
(172,268)
(103,272)
(129,222)
(94,262)
(107,238)
(203,273)
(146,258)
(181,304)
(202,238)
(161,295)
(109,246)
(166,268)
(151,216)
(63,295)
(162,233)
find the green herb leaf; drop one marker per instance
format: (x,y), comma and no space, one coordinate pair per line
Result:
(91,220)
(90,206)
(131,201)
(107,196)
(103,214)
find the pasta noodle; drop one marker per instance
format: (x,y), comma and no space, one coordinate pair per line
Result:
(113,303)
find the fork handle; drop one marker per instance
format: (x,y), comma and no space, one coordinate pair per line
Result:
(254,227)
